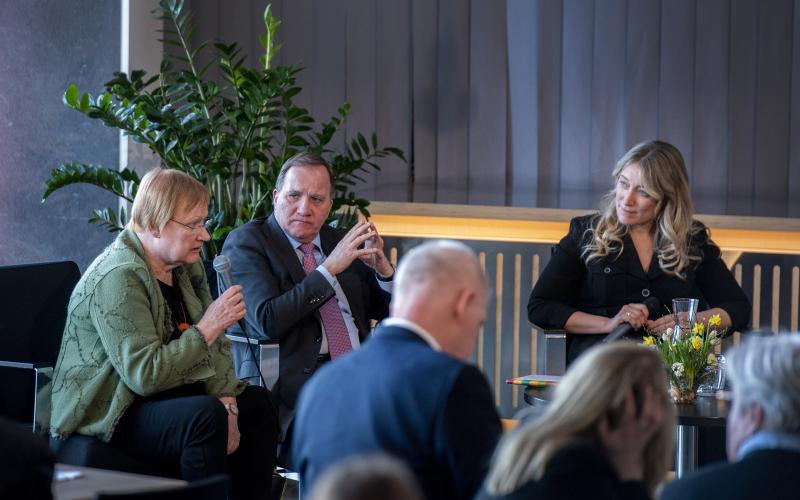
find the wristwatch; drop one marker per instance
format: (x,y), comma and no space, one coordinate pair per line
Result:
(232,409)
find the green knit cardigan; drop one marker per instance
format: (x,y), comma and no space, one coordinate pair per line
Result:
(115,343)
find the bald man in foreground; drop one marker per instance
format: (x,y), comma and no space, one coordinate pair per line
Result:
(409,391)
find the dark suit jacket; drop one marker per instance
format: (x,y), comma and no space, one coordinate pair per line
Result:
(578,471)
(567,284)
(773,474)
(283,303)
(397,395)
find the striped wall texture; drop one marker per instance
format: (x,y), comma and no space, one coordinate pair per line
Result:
(529,103)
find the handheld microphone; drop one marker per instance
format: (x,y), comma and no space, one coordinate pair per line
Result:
(652,303)
(222,265)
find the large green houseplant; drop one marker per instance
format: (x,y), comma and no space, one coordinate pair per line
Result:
(232,136)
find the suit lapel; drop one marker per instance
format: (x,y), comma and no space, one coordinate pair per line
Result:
(277,239)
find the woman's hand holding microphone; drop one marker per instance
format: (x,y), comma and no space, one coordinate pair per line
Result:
(222,313)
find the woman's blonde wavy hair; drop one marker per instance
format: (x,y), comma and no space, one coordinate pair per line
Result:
(594,388)
(665,179)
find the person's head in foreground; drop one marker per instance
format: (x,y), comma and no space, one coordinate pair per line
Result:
(613,398)
(367,477)
(765,377)
(441,287)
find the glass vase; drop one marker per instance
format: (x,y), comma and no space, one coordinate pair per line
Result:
(683,394)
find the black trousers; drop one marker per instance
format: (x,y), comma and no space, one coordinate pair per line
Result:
(192,432)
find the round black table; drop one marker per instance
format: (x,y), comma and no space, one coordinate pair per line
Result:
(705,411)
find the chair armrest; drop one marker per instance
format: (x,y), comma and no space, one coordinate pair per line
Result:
(238,337)
(551,350)
(43,375)
(24,365)
(266,352)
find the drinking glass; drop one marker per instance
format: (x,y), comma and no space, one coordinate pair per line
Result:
(684,310)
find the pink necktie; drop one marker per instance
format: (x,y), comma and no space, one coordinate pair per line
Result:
(331,315)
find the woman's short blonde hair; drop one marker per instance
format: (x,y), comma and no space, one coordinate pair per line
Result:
(593,389)
(666,180)
(162,193)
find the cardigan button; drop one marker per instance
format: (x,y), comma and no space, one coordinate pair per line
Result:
(645,292)
(307,371)
(607,270)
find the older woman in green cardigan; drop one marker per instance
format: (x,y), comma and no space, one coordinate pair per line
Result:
(144,363)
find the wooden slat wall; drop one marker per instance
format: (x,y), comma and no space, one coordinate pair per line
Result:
(506,346)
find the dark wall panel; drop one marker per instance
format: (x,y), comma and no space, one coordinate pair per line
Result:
(522,116)
(360,66)
(676,89)
(531,102)
(711,106)
(576,104)
(772,110)
(643,45)
(393,83)
(608,93)
(452,162)
(424,94)
(487,121)
(742,106)
(548,132)
(47,46)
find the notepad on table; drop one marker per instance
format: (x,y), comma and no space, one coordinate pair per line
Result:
(535,380)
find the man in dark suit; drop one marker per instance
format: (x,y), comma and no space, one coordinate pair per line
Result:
(311,287)
(763,430)
(409,391)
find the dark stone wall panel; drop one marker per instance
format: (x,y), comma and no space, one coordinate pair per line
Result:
(47,46)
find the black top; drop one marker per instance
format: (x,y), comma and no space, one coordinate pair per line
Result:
(172,295)
(567,284)
(174,299)
(579,470)
(760,474)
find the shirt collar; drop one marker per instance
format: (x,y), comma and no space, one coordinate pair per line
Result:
(418,330)
(295,244)
(764,440)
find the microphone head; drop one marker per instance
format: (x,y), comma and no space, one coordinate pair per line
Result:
(652,303)
(222,263)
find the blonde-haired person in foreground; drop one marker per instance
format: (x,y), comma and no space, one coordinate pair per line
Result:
(643,247)
(763,427)
(375,476)
(607,434)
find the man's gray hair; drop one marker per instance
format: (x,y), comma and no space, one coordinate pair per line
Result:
(437,262)
(304,160)
(766,371)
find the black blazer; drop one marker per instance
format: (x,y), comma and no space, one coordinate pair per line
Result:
(397,395)
(283,303)
(579,470)
(773,474)
(567,284)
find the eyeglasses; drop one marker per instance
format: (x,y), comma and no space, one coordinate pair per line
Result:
(205,224)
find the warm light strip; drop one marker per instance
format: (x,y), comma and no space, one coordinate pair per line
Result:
(744,234)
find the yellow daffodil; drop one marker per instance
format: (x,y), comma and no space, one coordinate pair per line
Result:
(697,343)
(698,329)
(714,320)
(649,340)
